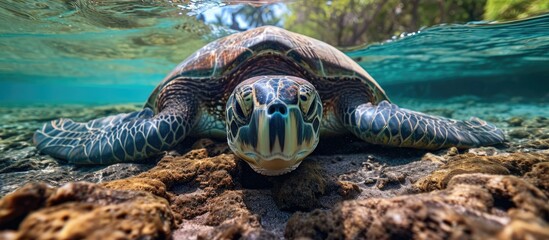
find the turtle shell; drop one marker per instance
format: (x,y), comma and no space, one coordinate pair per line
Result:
(221,65)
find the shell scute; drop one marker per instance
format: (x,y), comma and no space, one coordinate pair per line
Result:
(228,55)
(213,63)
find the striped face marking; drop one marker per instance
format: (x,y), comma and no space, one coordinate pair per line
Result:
(273,122)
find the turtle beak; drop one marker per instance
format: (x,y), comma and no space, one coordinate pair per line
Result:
(277,139)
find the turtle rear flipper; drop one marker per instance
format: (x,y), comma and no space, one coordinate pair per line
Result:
(387,124)
(120,138)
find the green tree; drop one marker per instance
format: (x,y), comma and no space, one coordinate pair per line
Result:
(347,23)
(251,15)
(514,9)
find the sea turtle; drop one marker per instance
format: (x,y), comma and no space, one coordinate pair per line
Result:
(271,93)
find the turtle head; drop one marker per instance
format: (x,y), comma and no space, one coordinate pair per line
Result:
(273,122)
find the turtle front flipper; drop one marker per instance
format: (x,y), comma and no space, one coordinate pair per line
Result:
(387,124)
(121,138)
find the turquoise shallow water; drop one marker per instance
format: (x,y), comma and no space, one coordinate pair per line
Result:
(116,52)
(506,59)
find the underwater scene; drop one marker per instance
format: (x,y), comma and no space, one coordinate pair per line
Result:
(348,119)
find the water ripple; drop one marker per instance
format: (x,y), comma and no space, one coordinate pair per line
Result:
(496,51)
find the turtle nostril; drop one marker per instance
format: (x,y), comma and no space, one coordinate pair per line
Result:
(277,107)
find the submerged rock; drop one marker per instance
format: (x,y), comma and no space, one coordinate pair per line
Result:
(539,176)
(515,121)
(17,205)
(300,189)
(504,164)
(519,133)
(538,144)
(86,210)
(473,206)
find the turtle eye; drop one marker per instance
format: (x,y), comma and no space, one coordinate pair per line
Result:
(306,98)
(243,103)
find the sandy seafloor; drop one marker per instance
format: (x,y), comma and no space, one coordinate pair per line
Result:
(330,196)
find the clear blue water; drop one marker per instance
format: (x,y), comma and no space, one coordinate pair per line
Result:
(56,52)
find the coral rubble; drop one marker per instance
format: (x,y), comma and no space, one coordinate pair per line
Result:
(472,206)
(86,210)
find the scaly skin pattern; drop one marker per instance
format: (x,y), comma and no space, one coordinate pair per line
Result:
(387,124)
(120,138)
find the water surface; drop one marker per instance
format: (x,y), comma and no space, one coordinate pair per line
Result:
(117,51)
